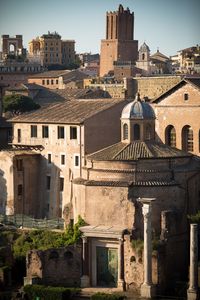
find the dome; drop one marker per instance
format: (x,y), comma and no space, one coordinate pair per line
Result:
(144,48)
(138,110)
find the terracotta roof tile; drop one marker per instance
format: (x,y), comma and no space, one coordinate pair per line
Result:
(136,150)
(74,111)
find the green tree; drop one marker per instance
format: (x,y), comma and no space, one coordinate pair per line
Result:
(17,104)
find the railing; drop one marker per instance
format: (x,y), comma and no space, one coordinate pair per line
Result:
(29,222)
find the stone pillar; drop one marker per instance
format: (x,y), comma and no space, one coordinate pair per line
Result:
(147,288)
(85,281)
(192,292)
(120,282)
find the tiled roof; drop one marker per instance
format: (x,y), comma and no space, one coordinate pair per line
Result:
(74,111)
(124,183)
(136,150)
(49,74)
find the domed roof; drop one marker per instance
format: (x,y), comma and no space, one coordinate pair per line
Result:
(138,110)
(144,48)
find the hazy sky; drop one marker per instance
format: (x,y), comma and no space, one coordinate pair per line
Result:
(169,25)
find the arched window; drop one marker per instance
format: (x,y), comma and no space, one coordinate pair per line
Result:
(170,136)
(125,132)
(11,48)
(143,56)
(148,132)
(136,132)
(187,138)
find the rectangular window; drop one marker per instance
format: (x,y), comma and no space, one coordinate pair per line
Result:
(61,132)
(62,159)
(76,160)
(45,131)
(33,131)
(51,81)
(186,96)
(73,133)
(19,136)
(43,82)
(48,182)
(56,81)
(47,81)
(49,158)
(61,184)
(19,164)
(19,190)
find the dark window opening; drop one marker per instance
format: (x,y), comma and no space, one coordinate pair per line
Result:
(61,184)
(62,158)
(19,190)
(73,133)
(76,161)
(170,136)
(19,164)
(125,132)
(49,158)
(136,131)
(61,132)
(33,131)
(48,182)
(45,131)
(187,138)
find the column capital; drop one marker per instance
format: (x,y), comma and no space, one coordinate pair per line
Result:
(84,239)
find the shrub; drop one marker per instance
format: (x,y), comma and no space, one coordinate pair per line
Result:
(194,218)
(103,296)
(49,292)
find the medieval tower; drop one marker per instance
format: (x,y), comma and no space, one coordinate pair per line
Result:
(119,44)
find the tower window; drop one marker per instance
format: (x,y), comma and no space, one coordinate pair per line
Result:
(136,132)
(125,132)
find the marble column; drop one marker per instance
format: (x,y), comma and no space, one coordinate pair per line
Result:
(85,281)
(147,288)
(120,282)
(192,292)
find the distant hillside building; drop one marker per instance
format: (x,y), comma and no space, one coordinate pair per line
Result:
(51,50)
(119,44)
(156,63)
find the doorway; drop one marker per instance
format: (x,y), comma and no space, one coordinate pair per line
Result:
(106,266)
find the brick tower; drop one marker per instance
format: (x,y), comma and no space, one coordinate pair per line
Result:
(119,44)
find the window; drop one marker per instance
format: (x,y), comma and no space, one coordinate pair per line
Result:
(187,138)
(51,81)
(43,82)
(45,131)
(136,132)
(170,136)
(62,159)
(61,184)
(19,137)
(33,131)
(186,96)
(61,132)
(56,81)
(143,56)
(148,132)
(19,190)
(47,81)
(73,133)
(125,132)
(19,164)
(76,160)
(48,182)
(49,158)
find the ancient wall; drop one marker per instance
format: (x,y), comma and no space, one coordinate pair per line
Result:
(152,87)
(57,267)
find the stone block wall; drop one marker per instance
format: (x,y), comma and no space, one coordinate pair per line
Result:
(57,267)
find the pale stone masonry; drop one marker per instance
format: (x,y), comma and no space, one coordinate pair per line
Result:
(63,134)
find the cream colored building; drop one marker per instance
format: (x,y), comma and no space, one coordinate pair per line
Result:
(63,134)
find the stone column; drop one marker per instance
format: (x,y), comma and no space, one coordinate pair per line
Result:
(147,288)
(120,282)
(192,292)
(85,281)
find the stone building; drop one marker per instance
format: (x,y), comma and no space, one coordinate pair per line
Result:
(11,45)
(52,50)
(156,63)
(63,134)
(59,79)
(106,196)
(177,111)
(119,44)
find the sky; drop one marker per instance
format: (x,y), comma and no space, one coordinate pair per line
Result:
(167,25)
